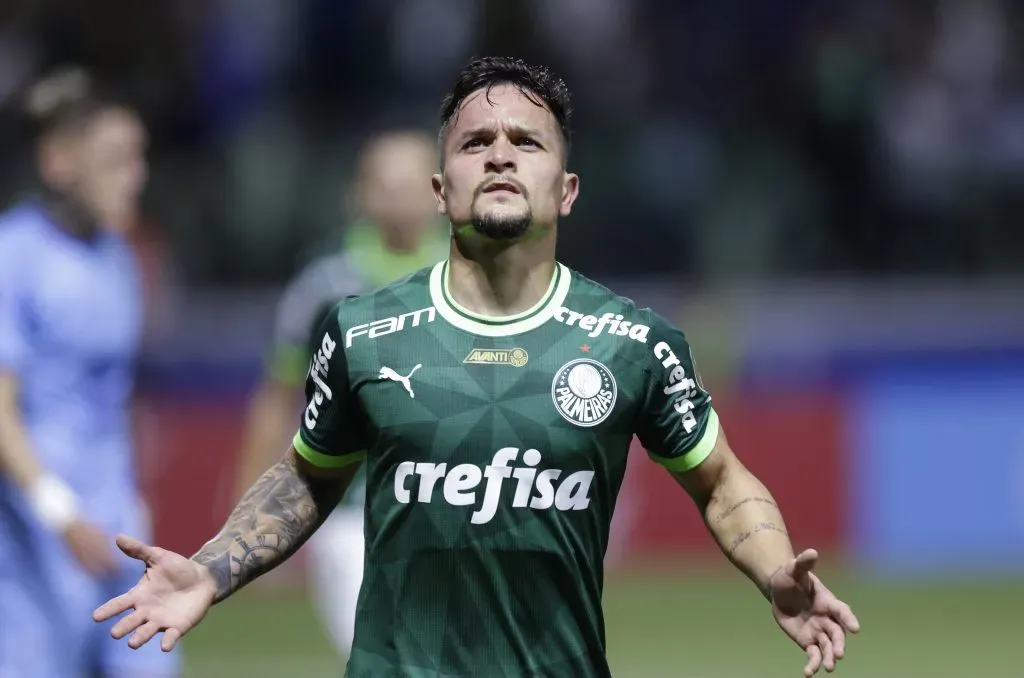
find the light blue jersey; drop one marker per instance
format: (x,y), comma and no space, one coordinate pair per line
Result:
(70,320)
(70,325)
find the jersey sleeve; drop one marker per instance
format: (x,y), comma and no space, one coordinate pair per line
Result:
(332,431)
(677,424)
(14,341)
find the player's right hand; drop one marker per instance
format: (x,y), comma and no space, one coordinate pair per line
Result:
(90,547)
(173,596)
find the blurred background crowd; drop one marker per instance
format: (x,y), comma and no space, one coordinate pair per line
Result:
(825,196)
(716,139)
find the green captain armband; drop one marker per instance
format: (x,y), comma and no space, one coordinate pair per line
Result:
(696,455)
(322,460)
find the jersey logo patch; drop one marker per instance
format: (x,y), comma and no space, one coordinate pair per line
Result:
(609,323)
(471,485)
(516,357)
(388,373)
(380,328)
(318,369)
(584,392)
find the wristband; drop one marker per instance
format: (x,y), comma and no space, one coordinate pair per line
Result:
(54,503)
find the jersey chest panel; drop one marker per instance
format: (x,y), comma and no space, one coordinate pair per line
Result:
(452,415)
(478,392)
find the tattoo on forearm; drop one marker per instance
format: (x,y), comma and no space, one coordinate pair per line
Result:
(274,518)
(744,536)
(743,502)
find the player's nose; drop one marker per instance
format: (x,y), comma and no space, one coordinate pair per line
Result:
(501,155)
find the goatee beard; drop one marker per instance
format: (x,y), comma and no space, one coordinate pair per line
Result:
(501,227)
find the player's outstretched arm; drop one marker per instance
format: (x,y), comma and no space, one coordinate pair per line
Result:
(681,430)
(740,512)
(272,520)
(746,522)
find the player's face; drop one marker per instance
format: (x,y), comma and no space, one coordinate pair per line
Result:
(504,172)
(111,167)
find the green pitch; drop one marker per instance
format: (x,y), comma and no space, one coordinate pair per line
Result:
(679,624)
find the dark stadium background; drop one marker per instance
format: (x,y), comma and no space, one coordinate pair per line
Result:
(825,196)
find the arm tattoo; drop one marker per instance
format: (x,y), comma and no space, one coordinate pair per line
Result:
(729,511)
(744,536)
(274,518)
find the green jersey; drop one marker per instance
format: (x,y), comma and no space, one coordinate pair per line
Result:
(362,264)
(494,450)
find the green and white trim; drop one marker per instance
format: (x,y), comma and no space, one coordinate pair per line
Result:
(503,326)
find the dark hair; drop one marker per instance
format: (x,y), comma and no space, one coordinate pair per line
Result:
(537,83)
(63,101)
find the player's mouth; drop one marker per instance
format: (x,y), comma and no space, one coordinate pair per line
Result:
(502,187)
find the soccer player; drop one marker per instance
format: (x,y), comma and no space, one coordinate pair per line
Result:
(492,398)
(397,232)
(70,319)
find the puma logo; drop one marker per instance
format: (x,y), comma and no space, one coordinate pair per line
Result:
(388,373)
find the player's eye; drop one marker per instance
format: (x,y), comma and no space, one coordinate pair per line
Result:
(476,142)
(527,141)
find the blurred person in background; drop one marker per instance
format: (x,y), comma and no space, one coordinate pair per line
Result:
(70,325)
(396,232)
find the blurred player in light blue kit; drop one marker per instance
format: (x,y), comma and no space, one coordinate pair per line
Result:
(70,323)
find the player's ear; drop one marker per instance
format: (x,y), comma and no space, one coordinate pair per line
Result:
(437,183)
(570,190)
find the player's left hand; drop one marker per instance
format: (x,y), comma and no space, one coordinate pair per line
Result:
(810,614)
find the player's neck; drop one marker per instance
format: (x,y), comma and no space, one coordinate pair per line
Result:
(502,282)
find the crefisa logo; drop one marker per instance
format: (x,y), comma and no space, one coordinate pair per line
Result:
(584,392)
